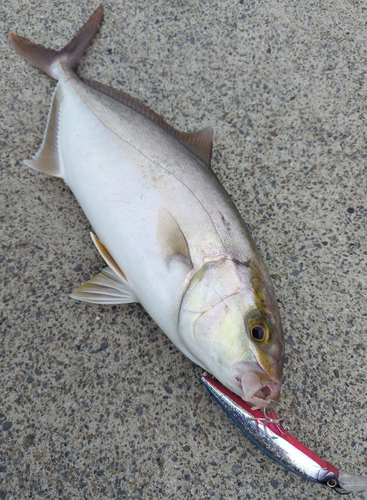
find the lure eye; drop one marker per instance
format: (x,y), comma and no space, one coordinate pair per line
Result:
(257,333)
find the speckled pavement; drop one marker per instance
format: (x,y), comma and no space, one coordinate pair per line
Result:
(95,402)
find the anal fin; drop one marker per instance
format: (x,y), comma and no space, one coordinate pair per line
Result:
(47,159)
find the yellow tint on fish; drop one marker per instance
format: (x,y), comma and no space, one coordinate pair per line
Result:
(170,235)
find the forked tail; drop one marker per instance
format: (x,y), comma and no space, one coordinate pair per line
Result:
(50,61)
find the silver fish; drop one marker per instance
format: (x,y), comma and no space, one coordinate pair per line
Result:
(170,234)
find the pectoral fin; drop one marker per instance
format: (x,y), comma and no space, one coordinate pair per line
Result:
(174,246)
(106,288)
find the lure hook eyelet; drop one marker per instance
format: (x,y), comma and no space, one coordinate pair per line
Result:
(334,485)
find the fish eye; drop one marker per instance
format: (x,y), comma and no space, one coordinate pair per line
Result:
(257,333)
(259,328)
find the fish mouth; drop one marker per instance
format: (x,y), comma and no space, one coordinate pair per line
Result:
(258,388)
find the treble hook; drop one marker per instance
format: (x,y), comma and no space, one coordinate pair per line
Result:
(267,420)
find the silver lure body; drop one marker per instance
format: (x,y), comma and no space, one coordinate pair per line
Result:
(270,436)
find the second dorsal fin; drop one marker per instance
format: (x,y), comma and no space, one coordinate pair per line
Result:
(200,143)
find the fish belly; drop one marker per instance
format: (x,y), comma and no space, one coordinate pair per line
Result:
(123,169)
(121,191)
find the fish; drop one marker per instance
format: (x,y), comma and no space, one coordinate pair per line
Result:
(271,436)
(168,231)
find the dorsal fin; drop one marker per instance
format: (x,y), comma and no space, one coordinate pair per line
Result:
(200,143)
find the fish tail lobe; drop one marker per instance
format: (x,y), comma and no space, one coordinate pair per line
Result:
(51,61)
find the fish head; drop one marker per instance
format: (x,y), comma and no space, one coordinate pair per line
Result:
(259,371)
(230,323)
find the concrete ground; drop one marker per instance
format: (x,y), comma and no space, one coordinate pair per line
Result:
(95,402)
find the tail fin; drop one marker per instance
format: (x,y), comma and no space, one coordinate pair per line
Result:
(49,60)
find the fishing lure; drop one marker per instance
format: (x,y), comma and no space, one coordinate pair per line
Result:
(269,434)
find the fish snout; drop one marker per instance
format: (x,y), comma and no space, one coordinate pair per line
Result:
(265,396)
(258,388)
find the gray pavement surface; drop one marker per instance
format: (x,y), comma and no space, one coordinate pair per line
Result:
(95,402)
